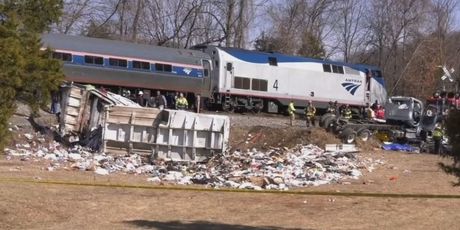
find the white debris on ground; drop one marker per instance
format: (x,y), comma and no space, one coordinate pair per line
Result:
(278,168)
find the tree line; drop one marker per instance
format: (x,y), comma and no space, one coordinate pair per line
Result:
(26,72)
(408,39)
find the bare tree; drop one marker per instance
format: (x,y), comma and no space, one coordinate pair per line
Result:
(393,25)
(232,20)
(120,8)
(240,29)
(442,16)
(171,23)
(74,12)
(349,26)
(137,15)
(298,26)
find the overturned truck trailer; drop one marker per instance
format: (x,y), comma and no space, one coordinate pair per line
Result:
(109,123)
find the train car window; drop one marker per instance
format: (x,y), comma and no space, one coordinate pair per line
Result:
(217,64)
(378,73)
(340,69)
(264,85)
(327,68)
(163,67)
(99,61)
(62,56)
(141,65)
(334,69)
(259,84)
(337,69)
(168,68)
(241,83)
(94,60)
(272,61)
(118,62)
(206,67)
(159,67)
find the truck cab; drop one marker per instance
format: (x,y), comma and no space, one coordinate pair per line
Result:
(404,110)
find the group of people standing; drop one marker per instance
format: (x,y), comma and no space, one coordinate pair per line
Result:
(344,110)
(310,112)
(177,101)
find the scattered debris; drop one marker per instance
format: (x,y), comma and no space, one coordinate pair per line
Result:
(101,171)
(29,136)
(369,182)
(350,148)
(278,168)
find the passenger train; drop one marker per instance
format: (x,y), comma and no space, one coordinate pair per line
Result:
(228,78)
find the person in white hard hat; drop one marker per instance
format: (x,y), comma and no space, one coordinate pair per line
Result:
(140,98)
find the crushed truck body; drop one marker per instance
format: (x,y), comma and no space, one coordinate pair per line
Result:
(402,121)
(110,123)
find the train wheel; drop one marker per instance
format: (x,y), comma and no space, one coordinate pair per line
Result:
(348,135)
(257,108)
(364,134)
(228,108)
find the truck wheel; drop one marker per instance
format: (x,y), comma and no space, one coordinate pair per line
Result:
(364,134)
(323,119)
(329,123)
(348,135)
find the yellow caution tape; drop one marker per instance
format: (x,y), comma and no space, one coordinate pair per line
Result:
(201,189)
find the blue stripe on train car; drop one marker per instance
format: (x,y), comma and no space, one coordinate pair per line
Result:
(177,70)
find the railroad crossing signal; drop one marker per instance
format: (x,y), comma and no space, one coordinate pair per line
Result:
(447,73)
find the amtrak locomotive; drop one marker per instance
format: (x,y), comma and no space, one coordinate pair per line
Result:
(227,78)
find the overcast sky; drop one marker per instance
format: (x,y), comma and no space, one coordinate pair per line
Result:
(457,19)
